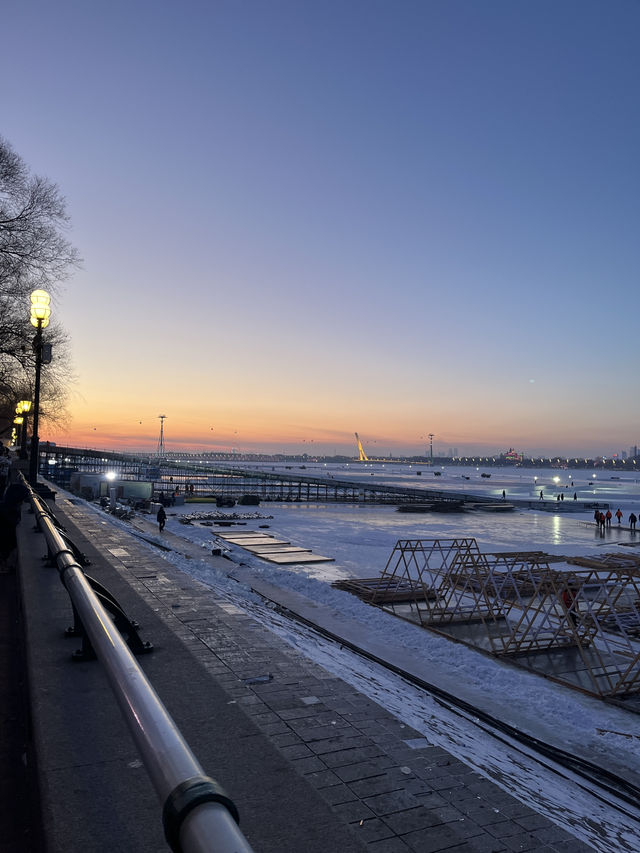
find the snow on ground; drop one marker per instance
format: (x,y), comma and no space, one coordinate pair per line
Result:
(573,804)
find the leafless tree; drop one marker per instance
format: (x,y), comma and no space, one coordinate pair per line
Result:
(34,253)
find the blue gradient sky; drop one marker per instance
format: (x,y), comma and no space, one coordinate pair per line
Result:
(302,219)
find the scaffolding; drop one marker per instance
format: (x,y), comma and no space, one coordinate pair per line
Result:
(579,625)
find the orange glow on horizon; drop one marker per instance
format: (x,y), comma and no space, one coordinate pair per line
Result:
(111,422)
(143,436)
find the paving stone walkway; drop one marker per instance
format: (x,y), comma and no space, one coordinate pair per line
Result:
(383,782)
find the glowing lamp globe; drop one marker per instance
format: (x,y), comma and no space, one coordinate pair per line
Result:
(40,310)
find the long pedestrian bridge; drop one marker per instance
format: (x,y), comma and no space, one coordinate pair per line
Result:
(201,477)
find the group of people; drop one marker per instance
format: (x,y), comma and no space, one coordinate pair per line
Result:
(603,519)
(559,496)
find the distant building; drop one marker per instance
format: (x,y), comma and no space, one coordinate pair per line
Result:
(512,457)
(92,486)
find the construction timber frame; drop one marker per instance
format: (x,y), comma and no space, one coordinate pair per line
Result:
(579,625)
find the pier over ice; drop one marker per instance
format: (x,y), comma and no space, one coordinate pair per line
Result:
(200,477)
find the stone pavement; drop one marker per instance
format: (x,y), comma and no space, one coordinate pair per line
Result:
(311,763)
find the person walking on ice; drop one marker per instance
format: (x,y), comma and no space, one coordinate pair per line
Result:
(568,599)
(619,515)
(632,520)
(162,518)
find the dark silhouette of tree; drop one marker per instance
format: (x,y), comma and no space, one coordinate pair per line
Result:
(34,253)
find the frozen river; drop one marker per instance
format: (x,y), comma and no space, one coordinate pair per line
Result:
(360,538)
(523,483)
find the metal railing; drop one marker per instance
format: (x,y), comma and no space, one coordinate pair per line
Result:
(197,815)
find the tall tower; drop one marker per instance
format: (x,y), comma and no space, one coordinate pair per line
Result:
(362,455)
(431,447)
(160,450)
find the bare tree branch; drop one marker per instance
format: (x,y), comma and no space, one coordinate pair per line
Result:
(34,253)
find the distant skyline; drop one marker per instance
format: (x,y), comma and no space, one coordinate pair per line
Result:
(374,448)
(302,220)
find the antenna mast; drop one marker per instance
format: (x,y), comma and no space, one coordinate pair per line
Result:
(160,450)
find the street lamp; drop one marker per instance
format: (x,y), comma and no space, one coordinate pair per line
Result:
(40,313)
(22,410)
(18,427)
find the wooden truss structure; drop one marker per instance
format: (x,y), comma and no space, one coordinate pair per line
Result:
(577,625)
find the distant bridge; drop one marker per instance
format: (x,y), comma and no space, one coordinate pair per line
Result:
(202,478)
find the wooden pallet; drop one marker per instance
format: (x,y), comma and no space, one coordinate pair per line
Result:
(385,590)
(607,561)
(267,547)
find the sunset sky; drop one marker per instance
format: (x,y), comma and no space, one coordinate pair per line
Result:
(304,218)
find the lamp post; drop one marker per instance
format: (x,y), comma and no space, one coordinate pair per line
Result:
(22,410)
(18,427)
(40,313)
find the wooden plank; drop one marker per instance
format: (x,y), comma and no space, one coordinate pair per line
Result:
(246,534)
(277,549)
(290,559)
(245,542)
(237,538)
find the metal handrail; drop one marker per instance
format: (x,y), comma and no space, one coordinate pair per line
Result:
(198,816)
